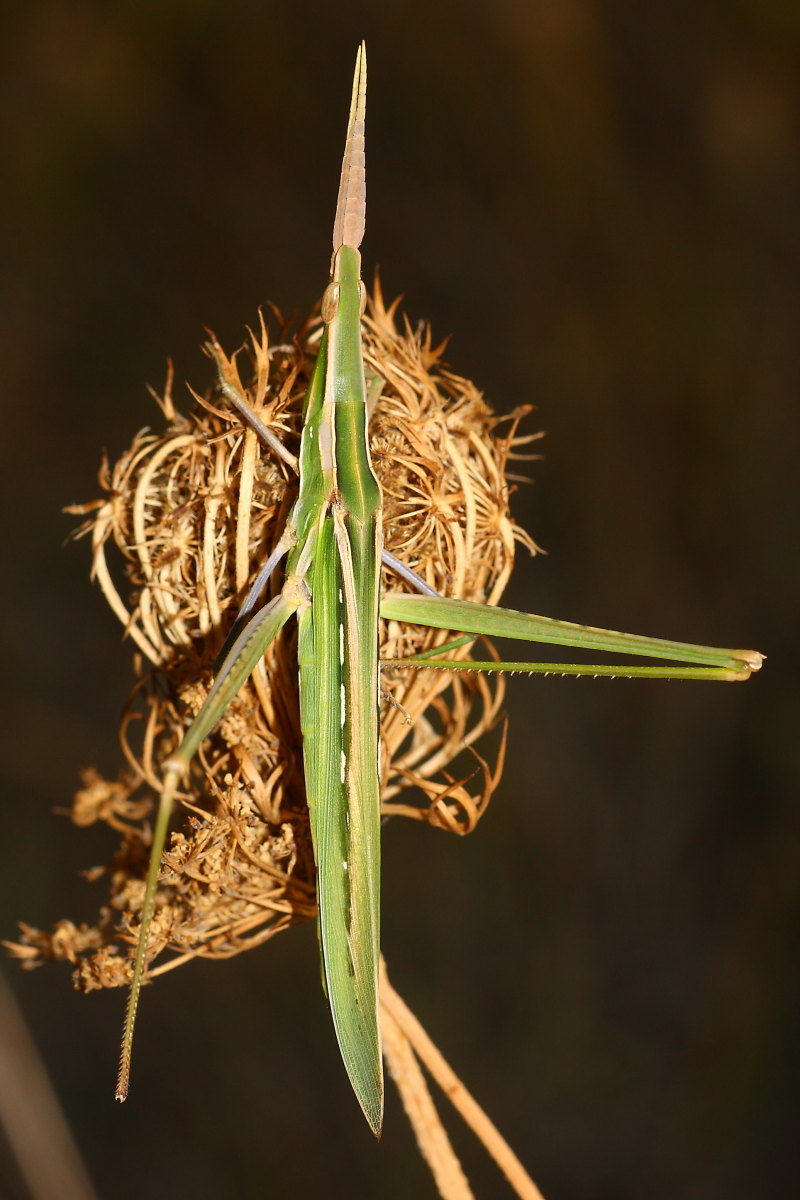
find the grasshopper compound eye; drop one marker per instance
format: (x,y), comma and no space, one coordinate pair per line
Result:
(330,302)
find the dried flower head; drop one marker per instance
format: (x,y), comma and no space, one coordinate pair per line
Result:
(193,511)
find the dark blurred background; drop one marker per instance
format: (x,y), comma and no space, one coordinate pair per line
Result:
(599,201)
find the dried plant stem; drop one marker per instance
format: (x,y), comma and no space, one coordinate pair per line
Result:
(433,1142)
(396,1015)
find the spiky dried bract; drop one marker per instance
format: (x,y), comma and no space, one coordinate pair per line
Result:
(193,512)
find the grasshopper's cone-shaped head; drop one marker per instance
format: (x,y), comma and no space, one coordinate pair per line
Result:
(348,228)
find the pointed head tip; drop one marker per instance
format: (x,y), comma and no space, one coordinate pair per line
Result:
(348,229)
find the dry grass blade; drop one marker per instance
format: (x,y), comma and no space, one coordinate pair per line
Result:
(399,1015)
(433,1142)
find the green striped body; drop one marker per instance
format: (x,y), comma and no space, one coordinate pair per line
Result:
(339,507)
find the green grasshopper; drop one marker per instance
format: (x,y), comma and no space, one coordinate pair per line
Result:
(333,545)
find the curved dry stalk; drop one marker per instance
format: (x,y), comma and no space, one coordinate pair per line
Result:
(397,1015)
(433,1142)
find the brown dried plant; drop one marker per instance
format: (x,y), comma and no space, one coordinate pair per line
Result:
(192,511)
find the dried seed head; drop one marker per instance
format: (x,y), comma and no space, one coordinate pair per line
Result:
(193,512)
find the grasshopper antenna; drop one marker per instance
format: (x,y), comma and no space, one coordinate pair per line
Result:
(171,779)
